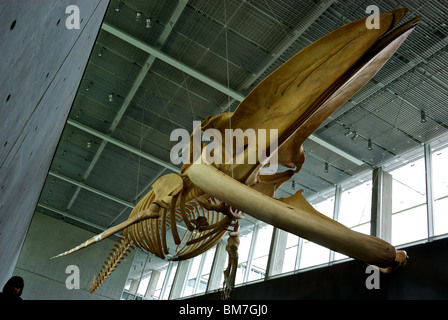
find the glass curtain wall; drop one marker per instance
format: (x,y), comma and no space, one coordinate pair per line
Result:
(198,273)
(193,276)
(440,188)
(160,282)
(409,212)
(356,204)
(138,278)
(168,281)
(285,253)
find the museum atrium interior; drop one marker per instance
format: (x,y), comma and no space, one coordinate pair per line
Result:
(154,66)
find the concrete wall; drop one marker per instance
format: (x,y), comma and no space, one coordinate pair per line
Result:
(41,65)
(45,279)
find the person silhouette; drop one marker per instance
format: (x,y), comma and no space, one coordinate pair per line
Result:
(12,289)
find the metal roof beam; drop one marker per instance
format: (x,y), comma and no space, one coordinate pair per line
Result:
(70,216)
(91,189)
(181,4)
(123,145)
(171,61)
(336,150)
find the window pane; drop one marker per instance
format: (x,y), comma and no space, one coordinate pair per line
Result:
(172,272)
(243,254)
(409,225)
(205,272)
(409,215)
(289,264)
(145,277)
(160,282)
(138,277)
(339,256)
(325,207)
(441,216)
(408,186)
(261,253)
(192,276)
(362,228)
(356,205)
(355,210)
(285,253)
(313,254)
(144,283)
(440,187)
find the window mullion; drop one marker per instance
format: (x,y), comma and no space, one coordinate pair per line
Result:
(251,252)
(337,205)
(429,190)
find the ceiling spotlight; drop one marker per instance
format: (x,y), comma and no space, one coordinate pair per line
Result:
(355,136)
(148,23)
(293,186)
(369,145)
(326,167)
(101,52)
(111,97)
(89,144)
(138,16)
(118,8)
(349,132)
(422,116)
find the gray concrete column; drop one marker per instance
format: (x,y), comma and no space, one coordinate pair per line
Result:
(381,213)
(134,286)
(41,63)
(218,266)
(336,209)
(277,252)
(179,279)
(429,190)
(166,282)
(152,285)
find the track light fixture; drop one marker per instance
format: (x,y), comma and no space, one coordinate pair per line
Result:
(422,116)
(369,145)
(148,23)
(118,7)
(111,97)
(326,167)
(348,133)
(101,52)
(355,136)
